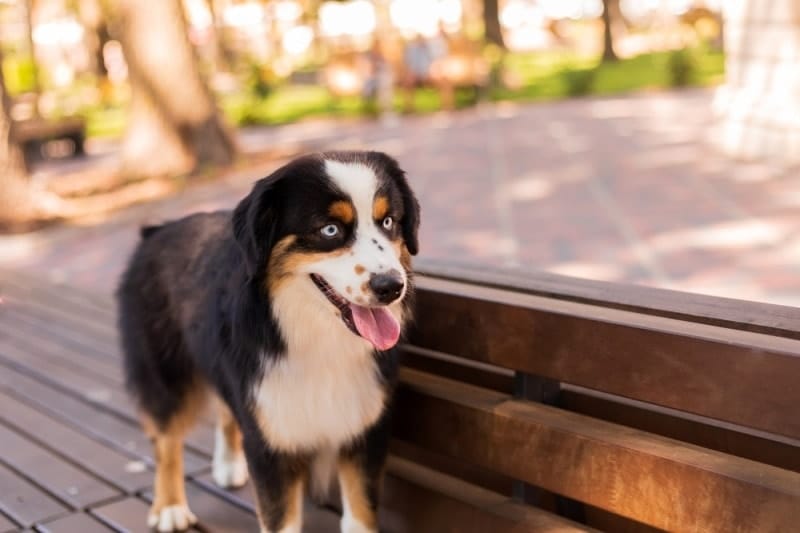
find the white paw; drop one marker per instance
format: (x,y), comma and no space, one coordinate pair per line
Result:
(229,473)
(350,524)
(171,518)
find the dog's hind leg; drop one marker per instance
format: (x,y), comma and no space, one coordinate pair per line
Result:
(170,511)
(229,468)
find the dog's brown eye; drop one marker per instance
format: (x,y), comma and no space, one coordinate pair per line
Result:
(388,223)
(330,231)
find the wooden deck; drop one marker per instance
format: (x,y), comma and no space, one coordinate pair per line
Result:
(623,408)
(74,460)
(72,457)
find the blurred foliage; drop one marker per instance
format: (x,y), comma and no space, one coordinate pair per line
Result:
(20,74)
(682,68)
(539,76)
(553,76)
(579,82)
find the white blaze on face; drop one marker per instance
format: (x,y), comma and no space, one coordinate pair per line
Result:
(371,252)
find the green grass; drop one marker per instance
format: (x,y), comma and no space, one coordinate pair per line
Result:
(547,78)
(541,76)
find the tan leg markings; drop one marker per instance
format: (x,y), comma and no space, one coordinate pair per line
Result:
(169,511)
(293,512)
(358,515)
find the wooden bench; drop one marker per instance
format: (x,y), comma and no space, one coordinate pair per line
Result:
(35,133)
(536,403)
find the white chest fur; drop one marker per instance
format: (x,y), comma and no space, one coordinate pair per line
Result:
(326,390)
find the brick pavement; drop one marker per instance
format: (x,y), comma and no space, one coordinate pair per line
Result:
(621,189)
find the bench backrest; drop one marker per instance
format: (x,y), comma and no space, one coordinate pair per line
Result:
(624,408)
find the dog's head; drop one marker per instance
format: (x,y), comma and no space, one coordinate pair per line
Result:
(337,229)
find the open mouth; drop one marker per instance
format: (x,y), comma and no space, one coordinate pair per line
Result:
(375,324)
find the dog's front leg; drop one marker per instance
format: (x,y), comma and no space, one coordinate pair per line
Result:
(359,497)
(278,480)
(361,471)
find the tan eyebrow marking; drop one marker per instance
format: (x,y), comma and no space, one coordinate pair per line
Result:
(380,207)
(342,210)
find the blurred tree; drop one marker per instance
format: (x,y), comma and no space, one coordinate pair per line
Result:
(17,199)
(612,14)
(223,54)
(90,13)
(491,23)
(31,46)
(174,124)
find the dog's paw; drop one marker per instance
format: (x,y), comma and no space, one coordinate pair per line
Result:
(349,524)
(171,518)
(230,473)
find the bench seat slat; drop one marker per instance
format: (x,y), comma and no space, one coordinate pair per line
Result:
(647,478)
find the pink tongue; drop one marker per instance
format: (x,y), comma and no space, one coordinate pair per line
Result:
(377,325)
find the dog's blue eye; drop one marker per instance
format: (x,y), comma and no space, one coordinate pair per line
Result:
(331,230)
(387,223)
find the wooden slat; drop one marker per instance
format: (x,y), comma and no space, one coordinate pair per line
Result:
(419,500)
(215,513)
(315,519)
(129,514)
(651,479)
(25,503)
(75,349)
(34,284)
(690,367)
(50,369)
(6,525)
(469,473)
(125,436)
(74,523)
(116,468)
(50,307)
(704,432)
(757,317)
(60,478)
(60,374)
(458,368)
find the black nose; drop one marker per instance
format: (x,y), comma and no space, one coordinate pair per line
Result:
(386,287)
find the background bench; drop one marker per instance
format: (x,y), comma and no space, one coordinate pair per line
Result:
(534,403)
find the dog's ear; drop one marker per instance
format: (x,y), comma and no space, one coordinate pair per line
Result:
(411,211)
(255,220)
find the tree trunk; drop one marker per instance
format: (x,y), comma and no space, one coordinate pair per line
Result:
(92,18)
(610,8)
(491,23)
(174,124)
(17,200)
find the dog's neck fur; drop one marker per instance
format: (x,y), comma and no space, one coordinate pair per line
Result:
(326,389)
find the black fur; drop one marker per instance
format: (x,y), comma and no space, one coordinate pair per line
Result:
(194,308)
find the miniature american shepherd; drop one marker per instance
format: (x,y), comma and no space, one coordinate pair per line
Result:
(285,312)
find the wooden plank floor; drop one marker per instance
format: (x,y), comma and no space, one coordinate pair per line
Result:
(72,456)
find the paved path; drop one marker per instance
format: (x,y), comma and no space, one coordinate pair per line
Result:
(622,189)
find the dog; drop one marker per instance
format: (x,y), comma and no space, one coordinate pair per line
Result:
(286,312)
